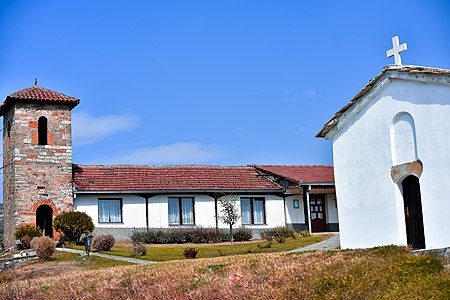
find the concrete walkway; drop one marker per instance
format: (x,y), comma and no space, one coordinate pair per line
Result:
(115,257)
(329,244)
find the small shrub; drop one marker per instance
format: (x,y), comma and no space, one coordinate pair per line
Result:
(44,246)
(280,239)
(264,245)
(265,235)
(277,232)
(190,253)
(284,232)
(26,242)
(26,233)
(103,242)
(242,234)
(305,233)
(73,224)
(139,249)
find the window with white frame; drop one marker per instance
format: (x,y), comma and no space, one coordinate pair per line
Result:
(181,211)
(110,210)
(253,210)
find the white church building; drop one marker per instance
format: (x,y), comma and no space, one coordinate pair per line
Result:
(391,148)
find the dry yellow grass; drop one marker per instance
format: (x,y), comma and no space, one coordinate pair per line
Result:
(388,272)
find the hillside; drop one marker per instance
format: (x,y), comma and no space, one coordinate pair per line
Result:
(387,272)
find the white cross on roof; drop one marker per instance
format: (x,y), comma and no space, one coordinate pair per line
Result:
(396,49)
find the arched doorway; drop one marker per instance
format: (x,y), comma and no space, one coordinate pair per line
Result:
(413,212)
(44,217)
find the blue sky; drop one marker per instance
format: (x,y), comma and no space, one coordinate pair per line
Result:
(210,82)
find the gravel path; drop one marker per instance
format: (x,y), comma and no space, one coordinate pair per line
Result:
(329,244)
(128,259)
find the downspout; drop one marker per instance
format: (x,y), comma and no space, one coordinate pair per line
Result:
(308,208)
(146,212)
(285,214)
(216,213)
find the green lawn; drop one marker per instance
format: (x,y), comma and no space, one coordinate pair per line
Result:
(88,262)
(171,252)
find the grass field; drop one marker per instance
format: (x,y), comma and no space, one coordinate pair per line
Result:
(175,251)
(379,273)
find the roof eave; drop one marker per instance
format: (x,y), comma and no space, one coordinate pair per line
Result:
(10,101)
(376,86)
(247,191)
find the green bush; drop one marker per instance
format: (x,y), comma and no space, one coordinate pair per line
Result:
(44,246)
(265,245)
(242,234)
(180,236)
(284,232)
(73,224)
(305,233)
(103,242)
(26,233)
(277,232)
(265,235)
(190,253)
(280,239)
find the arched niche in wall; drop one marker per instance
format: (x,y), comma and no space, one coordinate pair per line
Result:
(403,139)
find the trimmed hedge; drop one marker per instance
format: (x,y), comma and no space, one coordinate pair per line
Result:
(277,233)
(195,235)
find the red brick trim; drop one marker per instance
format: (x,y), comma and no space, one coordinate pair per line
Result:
(33,124)
(34,138)
(45,202)
(50,138)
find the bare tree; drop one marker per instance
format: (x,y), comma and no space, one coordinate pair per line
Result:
(230,212)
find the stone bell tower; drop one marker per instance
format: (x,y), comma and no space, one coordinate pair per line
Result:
(37,158)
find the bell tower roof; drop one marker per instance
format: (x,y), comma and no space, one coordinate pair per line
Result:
(37,94)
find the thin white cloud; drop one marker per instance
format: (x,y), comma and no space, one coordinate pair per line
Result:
(176,153)
(311,93)
(88,129)
(295,96)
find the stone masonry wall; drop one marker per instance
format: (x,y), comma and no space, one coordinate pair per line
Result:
(36,174)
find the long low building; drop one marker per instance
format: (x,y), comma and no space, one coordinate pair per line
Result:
(122,198)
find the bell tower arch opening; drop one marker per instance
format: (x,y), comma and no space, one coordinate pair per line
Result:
(42,131)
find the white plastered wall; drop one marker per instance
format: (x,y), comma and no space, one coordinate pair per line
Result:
(133,210)
(331,209)
(295,215)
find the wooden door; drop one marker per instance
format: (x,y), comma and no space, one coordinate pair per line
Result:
(317,208)
(413,212)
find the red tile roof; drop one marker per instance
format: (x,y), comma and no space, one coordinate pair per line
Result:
(305,174)
(170,178)
(37,94)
